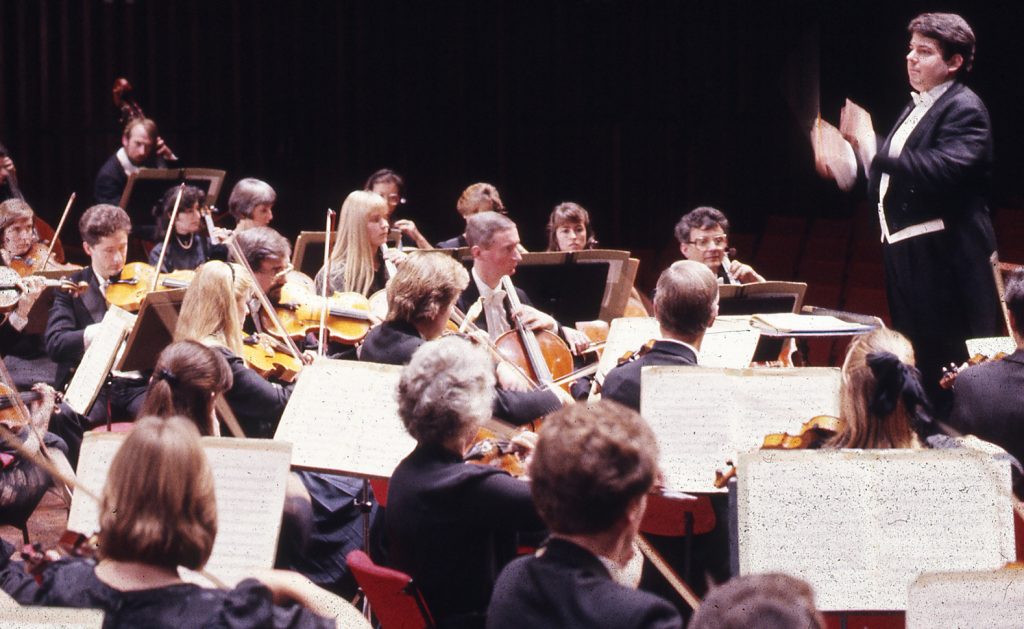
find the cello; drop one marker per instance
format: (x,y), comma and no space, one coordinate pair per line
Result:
(542,354)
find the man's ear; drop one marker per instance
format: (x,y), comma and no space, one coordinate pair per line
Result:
(683,248)
(88,248)
(475,251)
(955,63)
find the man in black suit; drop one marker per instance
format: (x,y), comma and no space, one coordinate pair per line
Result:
(74,321)
(594,517)
(141,147)
(987,397)
(930,178)
(494,243)
(685,304)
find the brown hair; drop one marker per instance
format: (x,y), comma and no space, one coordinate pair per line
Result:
(684,300)
(704,217)
(592,460)
(864,427)
(952,32)
(101,221)
(247,194)
(479,197)
(158,506)
(187,378)
(260,242)
(569,213)
(424,285)
(12,210)
(146,123)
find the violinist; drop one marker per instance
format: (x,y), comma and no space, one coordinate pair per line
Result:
(479,197)
(150,524)
(986,397)
(74,321)
(881,400)
(685,304)
(138,144)
(594,517)
(7,171)
(212,314)
(357,264)
(268,254)
(17,238)
(703,236)
(494,243)
(421,296)
(390,185)
(252,203)
(569,228)
(452,525)
(186,248)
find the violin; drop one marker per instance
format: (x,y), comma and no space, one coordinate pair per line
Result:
(813,434)
(542,354)
(13,286)
(265,355)
(950,373)
(46,253)
(489,449)
(70,544)
(348,314)
(130,287)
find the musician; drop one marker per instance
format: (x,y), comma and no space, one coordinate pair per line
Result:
(212,314)
(187,248)
(252,203)
(452,525)
(772,600)
(986,397)
(930,178)
(494,244)
(268,254)
(685,304)
(357,264)
(390,185)
(479,197)
(881,401)
(703,236)
(594,517)
(569,228)
(75,321)
(138,142)
(152,522)
(6,170)
(17,237)
(421,296)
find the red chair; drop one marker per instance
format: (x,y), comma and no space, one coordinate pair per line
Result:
(393,596)
(380,490)
(669,517)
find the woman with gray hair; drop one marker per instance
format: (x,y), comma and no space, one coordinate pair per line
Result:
(252,203)
(452,525)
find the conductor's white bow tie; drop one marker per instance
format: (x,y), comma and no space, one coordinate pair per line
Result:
(923,98)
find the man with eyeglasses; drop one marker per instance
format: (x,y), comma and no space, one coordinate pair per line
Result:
(703,236)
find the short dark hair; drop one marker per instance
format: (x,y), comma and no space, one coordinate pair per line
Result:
(565,213)
(953,33)
(101,221)
(260,243)
(480,197)
(481,228)
(592,460)
(385,175)
(704,217)
(684,299)
(1013,295)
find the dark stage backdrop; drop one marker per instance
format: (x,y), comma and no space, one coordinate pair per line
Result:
(637,110)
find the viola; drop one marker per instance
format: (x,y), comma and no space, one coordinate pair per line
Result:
(13,286)
(348,314)
(489,449)
(265,355)
(130,287)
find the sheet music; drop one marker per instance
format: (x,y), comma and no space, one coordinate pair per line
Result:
(703,417)
(992,345)
(626,334)
(98,359)
(861,525)
(994,600)
(18,617)
(343,417)
(249,482)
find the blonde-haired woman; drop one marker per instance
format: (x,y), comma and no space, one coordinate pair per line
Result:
(150,524)
(357,263)
(212,313)
(881,400)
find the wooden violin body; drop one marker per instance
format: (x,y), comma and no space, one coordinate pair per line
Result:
(348,314)
(135,281)
(489,449)
(813,434)
(263,355)
(950,373)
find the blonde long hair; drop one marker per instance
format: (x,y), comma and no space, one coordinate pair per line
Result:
(210,311)
(352,246)
(864,427)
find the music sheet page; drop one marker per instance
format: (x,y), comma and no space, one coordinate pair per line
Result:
(98,359)
(704,417)
(861,525)
(343,417)
(994,600)
(18,617)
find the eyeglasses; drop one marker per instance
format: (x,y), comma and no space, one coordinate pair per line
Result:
(707,241)
(395,198)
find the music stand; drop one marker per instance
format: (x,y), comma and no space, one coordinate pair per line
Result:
(145,188)
(153,330)
(762,297)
